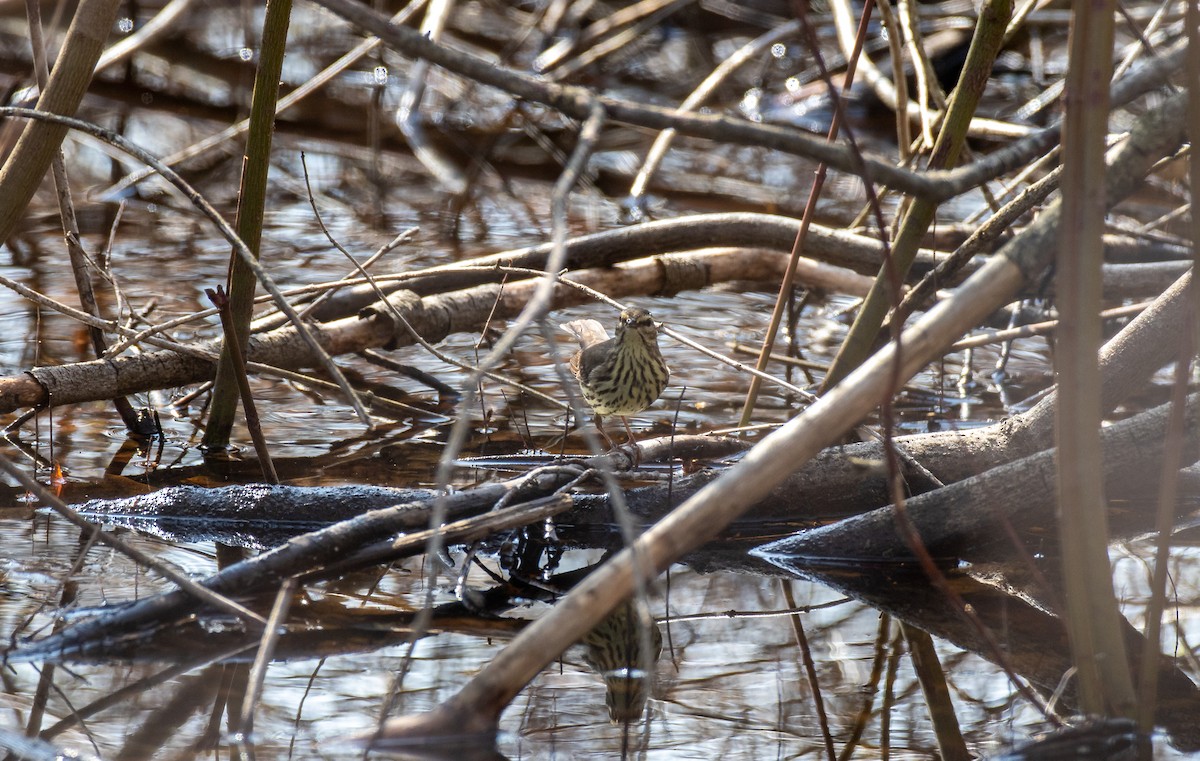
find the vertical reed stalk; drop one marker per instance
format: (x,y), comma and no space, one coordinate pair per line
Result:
(81,265)
(985,45)
(251,203)
(40,141)
(1173,452)
(810,209)
(1098,648)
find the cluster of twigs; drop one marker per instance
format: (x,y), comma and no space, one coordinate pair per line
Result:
(900,302)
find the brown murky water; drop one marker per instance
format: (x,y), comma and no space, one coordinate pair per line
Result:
(730,682)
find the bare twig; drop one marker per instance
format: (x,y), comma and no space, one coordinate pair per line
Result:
(221,301)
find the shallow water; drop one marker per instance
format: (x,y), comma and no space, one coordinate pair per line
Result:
(730,682)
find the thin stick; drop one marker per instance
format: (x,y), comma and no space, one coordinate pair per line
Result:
(810,208)
(238,359)
(266,649)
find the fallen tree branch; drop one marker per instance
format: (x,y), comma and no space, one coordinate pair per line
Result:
(573,101)
(828,246)
(434,317)
(475,709)
(965,519)
(307,555)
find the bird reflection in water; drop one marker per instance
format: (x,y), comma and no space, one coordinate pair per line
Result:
(614,648)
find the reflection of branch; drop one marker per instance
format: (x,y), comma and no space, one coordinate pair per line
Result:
(20,746)
(189,590)
(181,663)
(1035,641)
(345,546)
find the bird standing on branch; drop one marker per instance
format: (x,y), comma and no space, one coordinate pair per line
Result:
(622,375)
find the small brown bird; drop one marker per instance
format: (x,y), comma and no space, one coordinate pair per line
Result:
(622,375)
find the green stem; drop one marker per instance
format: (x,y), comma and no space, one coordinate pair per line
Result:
(251,203)
(985,45)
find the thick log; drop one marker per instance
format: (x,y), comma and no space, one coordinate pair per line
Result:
(974,519)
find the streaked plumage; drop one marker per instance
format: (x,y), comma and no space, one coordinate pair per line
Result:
(614,650)
(622,375)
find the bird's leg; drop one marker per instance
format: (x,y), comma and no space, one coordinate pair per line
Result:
(632,442)
(599,421)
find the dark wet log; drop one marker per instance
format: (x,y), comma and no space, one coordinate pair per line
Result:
(361,541)
(974,518)
(259,515)
(356,543)
(842,481)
